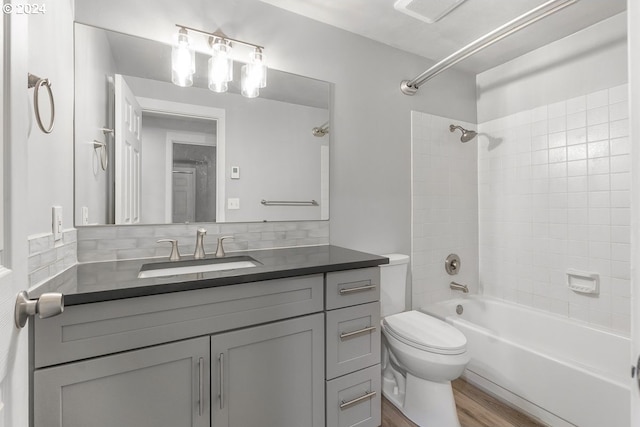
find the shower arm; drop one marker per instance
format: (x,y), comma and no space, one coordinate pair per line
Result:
(410,87)
(321,130)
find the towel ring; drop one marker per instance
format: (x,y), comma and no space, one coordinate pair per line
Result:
(37,82)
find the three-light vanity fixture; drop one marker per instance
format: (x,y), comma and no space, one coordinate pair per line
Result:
(220,71)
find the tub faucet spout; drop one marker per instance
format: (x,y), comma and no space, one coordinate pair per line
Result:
(458,287)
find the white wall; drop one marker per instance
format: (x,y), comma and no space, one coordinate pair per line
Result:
(50,55)
(370,129)
(445,207)
(554,176)
(91,183)
(589,60)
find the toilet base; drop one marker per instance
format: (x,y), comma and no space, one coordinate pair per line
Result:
(426,403)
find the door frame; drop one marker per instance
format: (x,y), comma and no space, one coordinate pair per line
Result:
(633,39)
(161,106)
(182,138)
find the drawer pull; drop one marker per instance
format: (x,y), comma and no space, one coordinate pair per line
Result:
(344,405)
(358,289)
(347,335)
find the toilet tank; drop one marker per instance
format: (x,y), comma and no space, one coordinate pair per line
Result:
(393,282)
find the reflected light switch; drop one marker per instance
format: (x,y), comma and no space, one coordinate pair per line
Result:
(235,172)
(233,203)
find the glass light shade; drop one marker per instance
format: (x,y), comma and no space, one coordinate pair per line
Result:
(183,60)
(258,67)
(220,66)
(250,84)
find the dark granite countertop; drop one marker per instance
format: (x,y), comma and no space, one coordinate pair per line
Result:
(113,280)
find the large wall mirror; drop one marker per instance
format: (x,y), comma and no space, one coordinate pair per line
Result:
(150,152)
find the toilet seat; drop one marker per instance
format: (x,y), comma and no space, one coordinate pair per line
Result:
(424,332)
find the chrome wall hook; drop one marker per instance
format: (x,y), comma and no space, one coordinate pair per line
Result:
(48,305)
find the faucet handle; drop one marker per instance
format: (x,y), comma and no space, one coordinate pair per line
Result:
(202,231)
(175,254)
(220,249)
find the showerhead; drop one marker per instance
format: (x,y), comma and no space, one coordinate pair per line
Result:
(467,135)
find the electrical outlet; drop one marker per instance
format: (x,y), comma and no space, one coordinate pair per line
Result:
(56,222)
(85,215)
(233,203)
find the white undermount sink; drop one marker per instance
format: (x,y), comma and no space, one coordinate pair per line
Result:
(162,269)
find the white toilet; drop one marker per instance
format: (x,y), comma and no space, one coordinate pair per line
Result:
(421,355)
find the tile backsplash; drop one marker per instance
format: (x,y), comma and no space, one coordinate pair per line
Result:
(48,257)
(106,243)
(554,194)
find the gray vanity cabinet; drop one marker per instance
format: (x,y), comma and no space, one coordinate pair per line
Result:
(302,351)
(128,389)
(269,375)
(353,374)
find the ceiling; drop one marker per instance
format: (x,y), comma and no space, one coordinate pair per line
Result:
(378,20)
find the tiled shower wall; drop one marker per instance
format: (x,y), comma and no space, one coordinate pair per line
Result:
(554,195)
(445,207)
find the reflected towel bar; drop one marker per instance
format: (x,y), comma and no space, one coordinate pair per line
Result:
(288,203)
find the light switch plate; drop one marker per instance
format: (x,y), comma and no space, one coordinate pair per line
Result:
(56,222)
(235,172)
(233,203)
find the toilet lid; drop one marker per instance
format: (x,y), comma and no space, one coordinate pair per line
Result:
(424,332)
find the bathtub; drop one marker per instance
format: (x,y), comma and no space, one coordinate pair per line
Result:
(560,371)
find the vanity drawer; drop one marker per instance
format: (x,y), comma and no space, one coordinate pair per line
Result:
(89,330)
(354,399)
(352,287)
(353,339)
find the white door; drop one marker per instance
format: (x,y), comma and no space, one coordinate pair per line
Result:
(184,194)
(128,144)
(14,122)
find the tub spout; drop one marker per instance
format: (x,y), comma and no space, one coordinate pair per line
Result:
(458,287)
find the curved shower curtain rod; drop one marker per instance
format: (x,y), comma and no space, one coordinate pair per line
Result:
(410,87)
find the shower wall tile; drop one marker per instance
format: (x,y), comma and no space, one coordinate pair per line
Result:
(48,258)
(445,205)
(568,208)
(140,241)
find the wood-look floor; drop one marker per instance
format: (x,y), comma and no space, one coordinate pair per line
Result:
(475,409)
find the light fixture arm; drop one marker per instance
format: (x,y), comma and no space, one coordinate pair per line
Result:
(214,36)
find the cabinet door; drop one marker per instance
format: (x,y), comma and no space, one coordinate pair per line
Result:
(162,386)
(269,375)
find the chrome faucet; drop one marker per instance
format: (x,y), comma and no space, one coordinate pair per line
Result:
(220,249)
(458,287)
(199,252)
